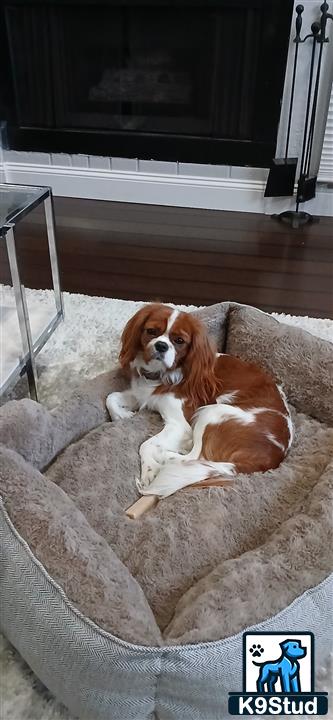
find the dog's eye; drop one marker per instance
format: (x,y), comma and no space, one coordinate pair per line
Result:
(179,341)
(151,331)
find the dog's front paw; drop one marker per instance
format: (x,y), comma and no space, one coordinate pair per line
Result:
(116,407)
(122,414)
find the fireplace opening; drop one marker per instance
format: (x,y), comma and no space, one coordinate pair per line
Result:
(186,81)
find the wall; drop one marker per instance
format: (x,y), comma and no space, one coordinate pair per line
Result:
(326,162)
(2,168)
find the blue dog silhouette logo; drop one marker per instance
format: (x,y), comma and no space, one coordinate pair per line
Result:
(286,668)
(278,676)
(278,662)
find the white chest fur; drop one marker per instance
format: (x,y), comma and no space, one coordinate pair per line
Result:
(142,389)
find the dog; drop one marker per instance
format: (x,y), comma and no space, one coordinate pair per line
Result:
(222,416)
(286,668)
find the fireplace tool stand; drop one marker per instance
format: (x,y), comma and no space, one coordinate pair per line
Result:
(306,185)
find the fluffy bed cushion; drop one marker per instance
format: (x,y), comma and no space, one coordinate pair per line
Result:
(203,564)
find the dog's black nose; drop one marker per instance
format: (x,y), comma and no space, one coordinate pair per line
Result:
(161,347)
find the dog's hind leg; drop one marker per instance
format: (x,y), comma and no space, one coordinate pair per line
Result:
(263,678)
(260,686)
(271,684)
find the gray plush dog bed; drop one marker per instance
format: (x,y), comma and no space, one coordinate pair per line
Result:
(130,620)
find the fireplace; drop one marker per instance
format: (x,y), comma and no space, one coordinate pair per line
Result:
(187,81)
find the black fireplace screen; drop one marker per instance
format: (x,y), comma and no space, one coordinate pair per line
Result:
(194,82)
(138,71)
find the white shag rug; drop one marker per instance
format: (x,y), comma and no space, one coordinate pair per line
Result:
(86,344)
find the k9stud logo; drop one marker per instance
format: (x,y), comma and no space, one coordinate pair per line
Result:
(278,676)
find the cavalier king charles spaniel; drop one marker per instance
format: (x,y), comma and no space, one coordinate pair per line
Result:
(222,416)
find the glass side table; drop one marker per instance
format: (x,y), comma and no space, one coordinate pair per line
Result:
(16,201)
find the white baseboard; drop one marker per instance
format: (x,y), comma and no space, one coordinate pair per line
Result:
(245,195)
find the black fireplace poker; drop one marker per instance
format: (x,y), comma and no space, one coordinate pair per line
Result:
(281,178)
(306,185)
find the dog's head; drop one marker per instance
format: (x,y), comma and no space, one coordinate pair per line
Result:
(293,649)
(171,343)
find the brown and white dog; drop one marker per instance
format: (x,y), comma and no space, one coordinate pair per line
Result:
(222,415)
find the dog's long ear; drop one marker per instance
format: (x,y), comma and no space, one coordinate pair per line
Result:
(200,382)
(130,339)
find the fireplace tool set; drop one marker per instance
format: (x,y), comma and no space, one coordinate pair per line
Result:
(281,179)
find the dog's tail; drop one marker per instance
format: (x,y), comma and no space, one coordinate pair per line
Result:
(199,473)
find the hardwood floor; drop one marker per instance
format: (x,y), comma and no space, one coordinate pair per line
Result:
(149,252)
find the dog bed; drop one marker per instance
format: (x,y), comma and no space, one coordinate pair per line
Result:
(133,620)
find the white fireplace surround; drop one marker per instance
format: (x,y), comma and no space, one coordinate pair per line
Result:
(186,184)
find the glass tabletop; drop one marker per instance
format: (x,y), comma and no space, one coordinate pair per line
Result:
(17,200)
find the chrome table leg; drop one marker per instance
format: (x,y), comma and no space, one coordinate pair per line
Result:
(23,316)
(50,225)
